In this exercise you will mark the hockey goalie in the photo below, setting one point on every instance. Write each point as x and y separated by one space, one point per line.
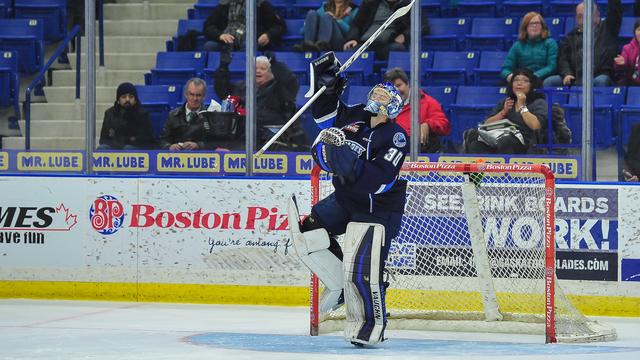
363 148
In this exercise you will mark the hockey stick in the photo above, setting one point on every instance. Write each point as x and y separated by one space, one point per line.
397 14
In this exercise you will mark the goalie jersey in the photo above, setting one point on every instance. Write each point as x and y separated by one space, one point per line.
381 151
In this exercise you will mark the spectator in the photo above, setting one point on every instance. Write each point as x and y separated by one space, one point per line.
433 122
276 92
185 128
627 64
126 125
605 48
631 169
524 107
371 15
325 29
534 50
225 27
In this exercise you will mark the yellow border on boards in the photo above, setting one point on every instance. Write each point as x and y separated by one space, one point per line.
239 294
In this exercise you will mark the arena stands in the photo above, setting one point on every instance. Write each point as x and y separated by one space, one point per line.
459 60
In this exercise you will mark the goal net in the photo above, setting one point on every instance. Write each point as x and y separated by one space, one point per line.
476 252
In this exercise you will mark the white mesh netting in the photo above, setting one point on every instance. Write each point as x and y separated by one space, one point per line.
472 258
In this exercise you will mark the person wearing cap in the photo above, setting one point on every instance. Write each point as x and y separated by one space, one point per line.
126 125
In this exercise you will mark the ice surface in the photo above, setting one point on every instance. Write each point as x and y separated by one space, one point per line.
33 329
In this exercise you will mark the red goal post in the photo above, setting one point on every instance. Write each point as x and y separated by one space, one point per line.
476 252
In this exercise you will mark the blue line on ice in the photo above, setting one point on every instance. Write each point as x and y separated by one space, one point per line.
394 346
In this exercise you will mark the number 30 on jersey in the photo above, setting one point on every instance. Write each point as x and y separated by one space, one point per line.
393 156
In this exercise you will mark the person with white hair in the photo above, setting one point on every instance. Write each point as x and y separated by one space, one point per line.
276 90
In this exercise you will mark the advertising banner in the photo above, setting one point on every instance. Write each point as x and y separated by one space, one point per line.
629 233
587 233
41 223
235 231
207 163
218 231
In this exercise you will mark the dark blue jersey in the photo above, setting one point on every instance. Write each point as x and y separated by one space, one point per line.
381 151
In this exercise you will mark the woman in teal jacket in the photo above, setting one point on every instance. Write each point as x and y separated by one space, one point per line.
534 50
326 27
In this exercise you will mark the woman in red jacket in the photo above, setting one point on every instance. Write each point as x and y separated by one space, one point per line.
627 64
433 122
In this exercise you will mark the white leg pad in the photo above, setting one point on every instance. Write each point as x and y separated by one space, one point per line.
366 318
312 248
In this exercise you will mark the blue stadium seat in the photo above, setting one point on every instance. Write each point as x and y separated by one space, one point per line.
446 95
25 37
357 94
4 8
626 31
476 8
556 27
517 8
569 24
629 113
446 33
562 7
361 71
431 8
473 105
297 62
451 67
184 26
9 81
491 34
299 8
292 36
175 68
203 8
402 59
237 68
557 95
159 100
52 14
488 71
607 102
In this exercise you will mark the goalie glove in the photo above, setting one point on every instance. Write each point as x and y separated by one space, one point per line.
325 71
333 155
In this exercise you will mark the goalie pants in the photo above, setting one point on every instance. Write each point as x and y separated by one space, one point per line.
365 326
334 218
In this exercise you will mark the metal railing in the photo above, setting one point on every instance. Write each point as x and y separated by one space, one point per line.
40 77
74 33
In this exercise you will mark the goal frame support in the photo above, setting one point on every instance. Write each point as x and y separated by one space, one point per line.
549 227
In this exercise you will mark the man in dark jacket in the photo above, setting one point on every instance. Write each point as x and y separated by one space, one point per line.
126 125
225 27
276 92
186 128
371 15
605 48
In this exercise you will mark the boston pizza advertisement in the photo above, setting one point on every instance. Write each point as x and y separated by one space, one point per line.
209 231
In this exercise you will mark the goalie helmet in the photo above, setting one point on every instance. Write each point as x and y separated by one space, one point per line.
384 99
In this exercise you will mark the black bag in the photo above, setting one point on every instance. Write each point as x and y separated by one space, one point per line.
491 133
560 132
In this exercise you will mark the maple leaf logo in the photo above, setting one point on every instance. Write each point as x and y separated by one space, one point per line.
70 219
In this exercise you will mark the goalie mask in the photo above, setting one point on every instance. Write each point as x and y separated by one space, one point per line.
384 99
